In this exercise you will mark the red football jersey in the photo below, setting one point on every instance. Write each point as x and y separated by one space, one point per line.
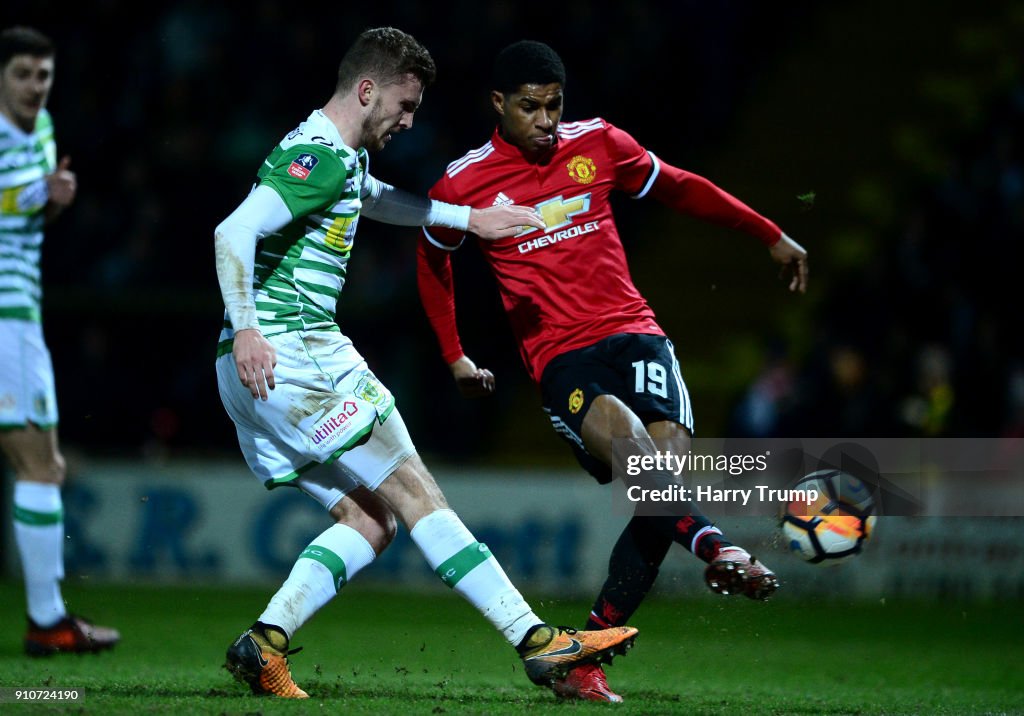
567 286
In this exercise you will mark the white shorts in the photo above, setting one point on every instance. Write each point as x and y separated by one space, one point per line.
27 393
327 427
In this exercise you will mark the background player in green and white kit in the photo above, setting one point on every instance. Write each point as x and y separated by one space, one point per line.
308 411
33 190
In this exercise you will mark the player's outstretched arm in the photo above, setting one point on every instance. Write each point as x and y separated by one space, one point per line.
497 222
793 259
471 381
383 202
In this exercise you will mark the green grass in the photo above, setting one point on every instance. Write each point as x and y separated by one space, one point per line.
373 652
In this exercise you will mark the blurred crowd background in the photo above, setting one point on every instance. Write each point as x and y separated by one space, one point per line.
885 137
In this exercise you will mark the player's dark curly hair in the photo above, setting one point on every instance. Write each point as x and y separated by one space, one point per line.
526 62
386 55
24 41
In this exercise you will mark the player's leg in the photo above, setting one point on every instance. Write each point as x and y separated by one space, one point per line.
572 383
461 562
637 555
28 439
585 393
594 396
364 527
468 567
651 402
38 518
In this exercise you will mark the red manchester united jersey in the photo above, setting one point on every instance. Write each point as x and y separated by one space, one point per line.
567 286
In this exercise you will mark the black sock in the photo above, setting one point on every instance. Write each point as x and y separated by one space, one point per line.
685 530
632 569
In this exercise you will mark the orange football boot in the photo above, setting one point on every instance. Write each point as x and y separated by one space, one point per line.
550 653
253 660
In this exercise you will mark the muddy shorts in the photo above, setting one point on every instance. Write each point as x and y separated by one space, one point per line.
328 426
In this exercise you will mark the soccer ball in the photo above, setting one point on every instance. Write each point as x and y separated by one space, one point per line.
836 525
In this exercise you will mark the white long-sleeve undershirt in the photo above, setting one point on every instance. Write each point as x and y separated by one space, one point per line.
383 202
262 213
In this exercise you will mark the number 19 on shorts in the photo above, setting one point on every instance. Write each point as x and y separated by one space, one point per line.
650 377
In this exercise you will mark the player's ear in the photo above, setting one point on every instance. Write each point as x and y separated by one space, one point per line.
498 102
365 91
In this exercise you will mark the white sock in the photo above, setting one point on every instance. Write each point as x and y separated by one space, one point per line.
469 568
39 532
323 568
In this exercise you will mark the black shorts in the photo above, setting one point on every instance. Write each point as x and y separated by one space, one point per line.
640 370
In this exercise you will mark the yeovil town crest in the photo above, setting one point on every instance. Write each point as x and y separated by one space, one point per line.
582 169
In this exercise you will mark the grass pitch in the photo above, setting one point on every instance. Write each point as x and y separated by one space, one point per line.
373 652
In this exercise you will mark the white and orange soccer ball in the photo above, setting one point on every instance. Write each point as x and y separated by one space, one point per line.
836 525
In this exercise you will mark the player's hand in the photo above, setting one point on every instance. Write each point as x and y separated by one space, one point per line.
255 359
497 222
471 381
62 185
793 259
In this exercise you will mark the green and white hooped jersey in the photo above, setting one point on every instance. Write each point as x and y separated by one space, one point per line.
300 270
25 160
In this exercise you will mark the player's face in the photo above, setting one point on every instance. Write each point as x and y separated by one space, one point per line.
24 86
529 116
391 111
